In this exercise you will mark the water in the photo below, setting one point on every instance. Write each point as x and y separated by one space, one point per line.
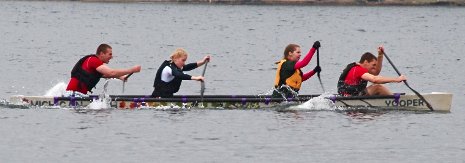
41 41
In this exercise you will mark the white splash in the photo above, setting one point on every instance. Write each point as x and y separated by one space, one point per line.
57 90
283 95
98 104
317 103
103 101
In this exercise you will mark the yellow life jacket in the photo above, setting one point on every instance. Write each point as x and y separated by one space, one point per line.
294 81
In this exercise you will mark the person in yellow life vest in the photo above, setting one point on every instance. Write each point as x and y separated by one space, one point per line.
289 77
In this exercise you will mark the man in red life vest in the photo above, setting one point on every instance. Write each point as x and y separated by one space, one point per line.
89 69
354 78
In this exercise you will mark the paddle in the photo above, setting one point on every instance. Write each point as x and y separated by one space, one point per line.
318 64
202 83
414 91
124 80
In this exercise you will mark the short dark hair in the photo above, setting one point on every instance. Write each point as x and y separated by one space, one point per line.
102 48
367 57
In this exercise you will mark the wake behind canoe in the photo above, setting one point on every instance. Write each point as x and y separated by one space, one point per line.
439 101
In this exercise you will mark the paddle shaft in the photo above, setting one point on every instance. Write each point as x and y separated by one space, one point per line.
126 78
318 60
204 68
405 82
318 64
202 83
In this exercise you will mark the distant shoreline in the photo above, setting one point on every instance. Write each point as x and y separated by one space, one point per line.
307 2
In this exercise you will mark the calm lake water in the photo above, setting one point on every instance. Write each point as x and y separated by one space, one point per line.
41 41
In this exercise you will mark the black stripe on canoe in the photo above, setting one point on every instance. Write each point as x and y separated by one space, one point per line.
265 100
207 96
252 96
244 98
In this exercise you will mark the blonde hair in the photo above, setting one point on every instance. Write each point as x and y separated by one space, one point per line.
179 52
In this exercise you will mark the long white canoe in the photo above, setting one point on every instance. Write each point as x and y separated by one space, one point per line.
439 101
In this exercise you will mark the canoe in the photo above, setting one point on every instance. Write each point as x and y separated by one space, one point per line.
399 101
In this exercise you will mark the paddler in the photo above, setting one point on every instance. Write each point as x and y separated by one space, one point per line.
171 73
89 69
355 77
289 76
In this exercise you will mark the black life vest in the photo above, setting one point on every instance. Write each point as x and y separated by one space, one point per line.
90 79
162 88
353 90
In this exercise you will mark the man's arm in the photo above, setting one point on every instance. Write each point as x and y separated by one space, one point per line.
116 73
379 65
382 80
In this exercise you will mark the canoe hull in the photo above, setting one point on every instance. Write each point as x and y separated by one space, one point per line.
439 101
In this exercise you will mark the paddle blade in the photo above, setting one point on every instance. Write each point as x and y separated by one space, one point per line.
321 83
318 64
202 88
202 83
